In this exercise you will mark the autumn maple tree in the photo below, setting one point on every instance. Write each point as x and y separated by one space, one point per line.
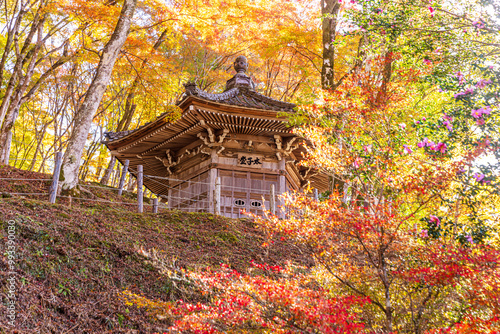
410 230
411 224
393 252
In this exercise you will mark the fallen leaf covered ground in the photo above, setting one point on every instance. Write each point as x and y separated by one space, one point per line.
72 261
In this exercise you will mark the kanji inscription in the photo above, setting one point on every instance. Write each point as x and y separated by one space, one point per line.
249 160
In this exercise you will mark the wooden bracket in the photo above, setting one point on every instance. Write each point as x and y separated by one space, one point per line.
203 138
211 135
278 141
223 135
206 150
289 143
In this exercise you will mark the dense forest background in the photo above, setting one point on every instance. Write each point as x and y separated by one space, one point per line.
48 64
51 51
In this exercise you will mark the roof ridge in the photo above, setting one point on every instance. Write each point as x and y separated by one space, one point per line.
250 97
194 90
271 100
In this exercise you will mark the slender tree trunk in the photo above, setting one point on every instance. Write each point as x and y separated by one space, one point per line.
386 78
116 176
39 144
131 183
387 294
12 29
108 171
41 169
86 111
97 173
6 153
14 103
84 170
329 10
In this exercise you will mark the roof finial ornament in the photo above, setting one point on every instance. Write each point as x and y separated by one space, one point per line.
241 64
240 80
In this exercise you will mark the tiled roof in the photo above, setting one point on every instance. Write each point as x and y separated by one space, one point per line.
117 135
241 96
240 91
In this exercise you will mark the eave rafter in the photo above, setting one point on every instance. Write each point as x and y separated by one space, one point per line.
151 134
189 130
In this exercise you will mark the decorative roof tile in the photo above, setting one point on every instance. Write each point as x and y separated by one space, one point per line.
111 136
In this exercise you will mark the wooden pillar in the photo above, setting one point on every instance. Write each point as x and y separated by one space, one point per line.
272 200
140 206
55 178
281 177
281 184
155 205
217 196
122 178
212 176
169 197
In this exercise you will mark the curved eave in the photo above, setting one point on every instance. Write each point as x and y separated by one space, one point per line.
145 129
200 102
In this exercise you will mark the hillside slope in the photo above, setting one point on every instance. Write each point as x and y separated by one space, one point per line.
73 261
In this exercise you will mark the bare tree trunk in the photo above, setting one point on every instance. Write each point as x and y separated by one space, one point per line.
108 171
131 183
116 177
41 169
329 10
386 78
39 144
90 153
13 104
6 153
86 111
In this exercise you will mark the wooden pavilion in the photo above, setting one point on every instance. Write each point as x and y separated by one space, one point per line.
238 135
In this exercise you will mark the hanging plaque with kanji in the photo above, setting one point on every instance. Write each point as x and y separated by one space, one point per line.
249 160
